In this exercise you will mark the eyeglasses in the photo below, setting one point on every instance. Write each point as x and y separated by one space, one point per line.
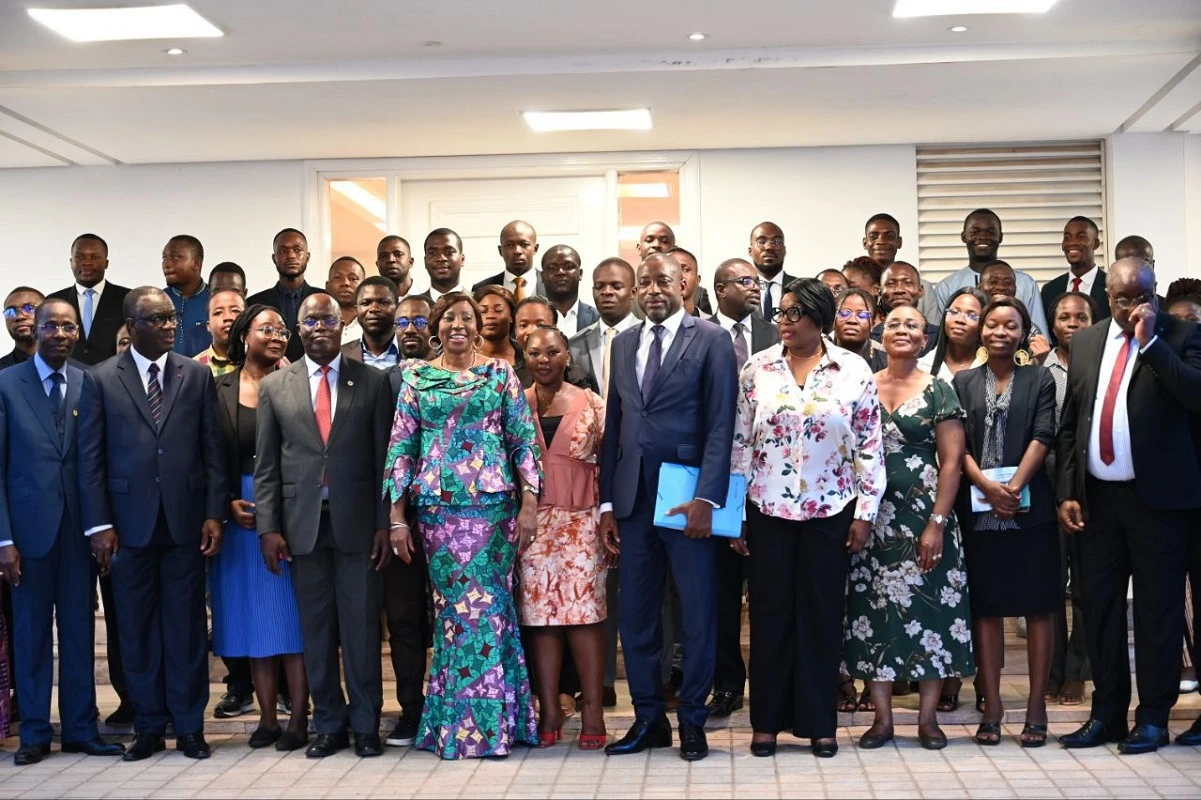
69 328
11 312
274 333
970 316
846 313
910 325
1124 303
159 320
792 314
420 323
324 322
746 282
763 241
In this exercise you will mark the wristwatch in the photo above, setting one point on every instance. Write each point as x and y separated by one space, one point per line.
938 519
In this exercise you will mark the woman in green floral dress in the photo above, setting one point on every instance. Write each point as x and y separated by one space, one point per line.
907 614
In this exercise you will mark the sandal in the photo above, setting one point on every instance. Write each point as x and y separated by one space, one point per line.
988 734
1072 693
593 741
948 701
846 694
981 703
865 701
1033 735
1053 693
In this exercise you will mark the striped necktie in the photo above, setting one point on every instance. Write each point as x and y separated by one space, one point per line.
154 393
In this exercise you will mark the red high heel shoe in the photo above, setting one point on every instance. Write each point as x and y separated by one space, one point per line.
550 738
593 741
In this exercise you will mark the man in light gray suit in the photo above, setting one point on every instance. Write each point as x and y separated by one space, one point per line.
321 439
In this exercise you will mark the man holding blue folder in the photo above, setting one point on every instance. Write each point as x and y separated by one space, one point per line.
671 399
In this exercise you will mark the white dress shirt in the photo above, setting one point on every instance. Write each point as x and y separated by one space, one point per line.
1086 280
728 324
672 325
81 290
509 281
352 331
436 295
777 289
1122 468
569 323
313 370
597 351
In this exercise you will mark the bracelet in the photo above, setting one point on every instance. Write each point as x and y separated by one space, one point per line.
530 489
396 525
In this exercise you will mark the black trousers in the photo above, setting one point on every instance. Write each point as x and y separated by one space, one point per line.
406 605
1124 540
730 673
797 574
1069 660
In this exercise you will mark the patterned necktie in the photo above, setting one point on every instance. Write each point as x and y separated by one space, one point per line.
740 348
1075 284
1111 400
154 393
519 288
89 311
607 352
323 408
767 303
654 360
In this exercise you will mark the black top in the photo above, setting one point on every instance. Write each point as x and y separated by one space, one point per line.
550 426
17 356
246 425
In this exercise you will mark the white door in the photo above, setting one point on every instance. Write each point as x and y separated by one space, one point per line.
572 211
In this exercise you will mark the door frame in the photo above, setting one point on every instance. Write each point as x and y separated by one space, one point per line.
316 212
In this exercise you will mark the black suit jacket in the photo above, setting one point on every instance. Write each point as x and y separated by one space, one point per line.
1057 286
1031 418
763 333
129 467
107 319
499 280
1163 396
228 386
270 297
14 358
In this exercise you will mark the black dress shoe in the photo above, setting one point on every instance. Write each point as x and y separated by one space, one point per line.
262 737
193 745
30 754
289 741
1191 737
824 749
641 736
693 744
122 717
1093 733
723 704
367 745
874 741
94 747
326 744
1143 739
609 697
763 749
144 746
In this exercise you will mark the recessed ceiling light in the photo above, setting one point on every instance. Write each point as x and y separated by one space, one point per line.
938 8
696 37
632 119
123 24
175 51
958 29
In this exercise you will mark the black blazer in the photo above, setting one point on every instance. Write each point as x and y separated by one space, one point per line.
499 280
1057 286
763 333
1031 418
1163 396
228 386
270 297
107 319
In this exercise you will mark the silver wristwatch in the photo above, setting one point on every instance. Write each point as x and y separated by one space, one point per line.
938 519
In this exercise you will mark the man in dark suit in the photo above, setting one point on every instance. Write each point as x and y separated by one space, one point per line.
375 305
1129 480
902 285
97 302
518 247
290 254
671 399
736 286
696 299
43 552
767 253
152 478
1081 240
562 271
322 435
443 253
658 237
19 311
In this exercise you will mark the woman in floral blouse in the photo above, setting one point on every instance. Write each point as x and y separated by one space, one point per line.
807 438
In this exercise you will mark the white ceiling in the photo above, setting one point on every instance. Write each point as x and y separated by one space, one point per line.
324 80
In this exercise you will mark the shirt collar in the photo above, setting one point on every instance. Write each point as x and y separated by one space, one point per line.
216 359
672 323
574 311
175 291
393 348
435 294
45 370
144 363
293 293
313 369
729 324
1052 360
530 277
778 280
1115 331
622 325
98 288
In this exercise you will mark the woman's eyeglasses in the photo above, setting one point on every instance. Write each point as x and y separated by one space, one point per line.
274 333
846 313
970 316
792 314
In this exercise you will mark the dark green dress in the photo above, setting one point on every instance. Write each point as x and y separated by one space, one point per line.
901 624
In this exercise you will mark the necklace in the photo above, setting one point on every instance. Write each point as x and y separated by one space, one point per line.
544 403
792 356
443 365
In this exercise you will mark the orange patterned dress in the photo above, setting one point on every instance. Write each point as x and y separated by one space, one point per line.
563 571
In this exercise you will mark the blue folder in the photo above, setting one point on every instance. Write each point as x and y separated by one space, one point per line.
677 485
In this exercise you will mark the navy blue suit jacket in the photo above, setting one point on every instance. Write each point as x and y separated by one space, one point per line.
128 467
39 479
688 417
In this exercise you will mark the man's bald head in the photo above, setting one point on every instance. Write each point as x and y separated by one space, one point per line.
1135 247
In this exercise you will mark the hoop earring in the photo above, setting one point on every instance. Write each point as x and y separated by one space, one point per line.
477 342
1021 358
435 343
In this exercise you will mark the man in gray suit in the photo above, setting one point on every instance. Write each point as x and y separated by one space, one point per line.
153 481
321 440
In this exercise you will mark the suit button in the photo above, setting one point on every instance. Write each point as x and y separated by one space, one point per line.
160 452
157 479
644 413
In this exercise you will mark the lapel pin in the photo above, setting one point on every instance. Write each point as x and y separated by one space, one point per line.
350 383
75 412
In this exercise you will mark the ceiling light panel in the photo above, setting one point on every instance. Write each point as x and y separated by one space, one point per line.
939 8
631 119
124 24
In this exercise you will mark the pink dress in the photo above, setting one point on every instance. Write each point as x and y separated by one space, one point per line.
563 571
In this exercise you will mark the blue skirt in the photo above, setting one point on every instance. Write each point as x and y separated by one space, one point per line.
254 611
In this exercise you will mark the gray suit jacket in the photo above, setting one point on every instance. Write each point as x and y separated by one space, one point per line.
291 462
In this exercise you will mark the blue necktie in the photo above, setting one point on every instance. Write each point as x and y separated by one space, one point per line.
55 397
654 360
89 310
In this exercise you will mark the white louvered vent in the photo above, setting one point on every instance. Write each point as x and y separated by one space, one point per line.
1034 188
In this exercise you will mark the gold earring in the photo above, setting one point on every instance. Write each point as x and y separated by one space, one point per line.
1021 358
982 353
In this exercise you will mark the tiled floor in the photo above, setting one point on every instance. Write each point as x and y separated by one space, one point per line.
903 770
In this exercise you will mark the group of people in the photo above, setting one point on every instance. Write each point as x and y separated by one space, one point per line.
483 469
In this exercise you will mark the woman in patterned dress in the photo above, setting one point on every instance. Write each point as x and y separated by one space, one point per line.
564 570
907 610
464 449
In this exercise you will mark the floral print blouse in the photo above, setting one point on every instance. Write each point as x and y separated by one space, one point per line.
458 437
808 451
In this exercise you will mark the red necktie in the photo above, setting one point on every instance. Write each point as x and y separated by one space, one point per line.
1111 400
323 406
1075 284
